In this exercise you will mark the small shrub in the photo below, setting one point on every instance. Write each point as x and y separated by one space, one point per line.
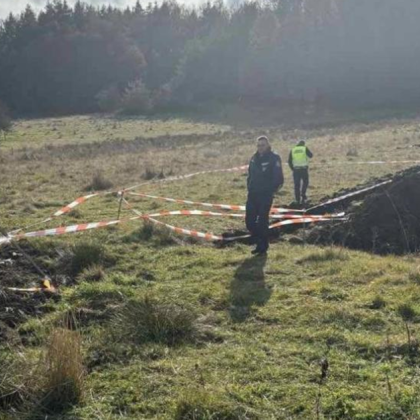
92 273
149 320
99 183
63 371
86 255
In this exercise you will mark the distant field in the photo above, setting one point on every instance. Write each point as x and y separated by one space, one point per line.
88 129
259 329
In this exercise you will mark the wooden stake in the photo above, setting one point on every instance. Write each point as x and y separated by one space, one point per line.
119 207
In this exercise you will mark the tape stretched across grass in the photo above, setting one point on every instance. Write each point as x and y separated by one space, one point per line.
289 215
80 200
152 217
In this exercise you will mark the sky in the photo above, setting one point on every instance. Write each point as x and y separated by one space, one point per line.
17 6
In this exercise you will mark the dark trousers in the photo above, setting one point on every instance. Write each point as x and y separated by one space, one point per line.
301 180
258 208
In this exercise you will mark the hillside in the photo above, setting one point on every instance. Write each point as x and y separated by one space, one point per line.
171 327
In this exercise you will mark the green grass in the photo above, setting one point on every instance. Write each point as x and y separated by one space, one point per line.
177 330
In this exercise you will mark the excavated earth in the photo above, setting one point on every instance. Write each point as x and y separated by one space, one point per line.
384 221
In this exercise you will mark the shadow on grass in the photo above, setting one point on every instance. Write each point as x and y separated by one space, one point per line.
248 288
42 413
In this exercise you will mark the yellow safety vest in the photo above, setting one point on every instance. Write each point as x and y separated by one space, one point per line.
299 157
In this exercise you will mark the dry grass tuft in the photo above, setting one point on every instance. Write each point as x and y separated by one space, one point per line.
64 372
93 273
99 183
14 381
149 320
86 255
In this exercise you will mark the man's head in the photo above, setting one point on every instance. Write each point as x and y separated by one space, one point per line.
263 145
301 143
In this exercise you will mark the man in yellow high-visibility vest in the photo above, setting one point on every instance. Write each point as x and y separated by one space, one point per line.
299 163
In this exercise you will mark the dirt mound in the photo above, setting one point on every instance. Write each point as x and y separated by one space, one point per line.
386 221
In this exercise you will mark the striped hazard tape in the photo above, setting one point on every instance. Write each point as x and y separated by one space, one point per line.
352 194
212 237
74 204
195 213
293 219
83 199
66 209
287 216
212 205
187 232
80 200
195 203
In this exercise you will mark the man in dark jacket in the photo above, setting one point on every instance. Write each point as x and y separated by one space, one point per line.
299 163
265 177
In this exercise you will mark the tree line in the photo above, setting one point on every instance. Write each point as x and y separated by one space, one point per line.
142 59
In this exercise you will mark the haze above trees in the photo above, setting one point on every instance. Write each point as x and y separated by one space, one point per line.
328 53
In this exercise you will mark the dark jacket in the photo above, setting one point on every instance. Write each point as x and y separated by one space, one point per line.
265 173
308 153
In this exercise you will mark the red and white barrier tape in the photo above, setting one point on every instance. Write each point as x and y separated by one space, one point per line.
292 219
74 204
279 213
212 205
187 232
66 209
195 213
66 229
352 194
212 237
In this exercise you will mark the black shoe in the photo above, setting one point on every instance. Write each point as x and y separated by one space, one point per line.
258 253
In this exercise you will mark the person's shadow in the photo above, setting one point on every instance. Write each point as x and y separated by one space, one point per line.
248 288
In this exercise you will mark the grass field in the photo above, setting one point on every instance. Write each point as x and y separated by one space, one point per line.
171 328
